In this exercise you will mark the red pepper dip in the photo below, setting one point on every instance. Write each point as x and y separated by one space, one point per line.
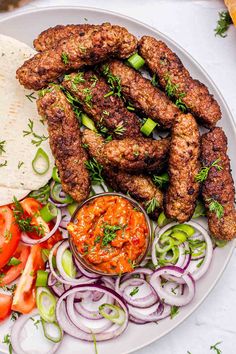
110 234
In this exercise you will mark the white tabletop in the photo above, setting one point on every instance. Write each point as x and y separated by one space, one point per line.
191 24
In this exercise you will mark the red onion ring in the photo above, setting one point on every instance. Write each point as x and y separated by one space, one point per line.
30 241
16 330
168 298
66 323
81 280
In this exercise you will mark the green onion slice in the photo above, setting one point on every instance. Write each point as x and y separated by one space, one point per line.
136 61
220 243
68 264
113 313
41 163
55 174
42 278
46 304
163 220
148 127
72 208
48 212
56 194
52 331
88 122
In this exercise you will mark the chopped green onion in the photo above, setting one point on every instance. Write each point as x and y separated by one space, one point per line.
48 212
136 61
113 313
72 208
45 255
41 167
42 278
148 127
14 261
88 122
220 243
46 304
56 194
49 330
55 174
163 220
68 264
189 230
180 236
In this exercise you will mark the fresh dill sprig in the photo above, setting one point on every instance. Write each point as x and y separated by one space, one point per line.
223 24
65 58
151 205
203 173
7 341
2 147
214 347
161 180
174 311
95 171
120 129
216 207
113 81
25 223
3 164
154 80
38 139
20 164
31 97
172 92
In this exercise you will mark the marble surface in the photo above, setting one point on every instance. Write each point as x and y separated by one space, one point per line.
191 24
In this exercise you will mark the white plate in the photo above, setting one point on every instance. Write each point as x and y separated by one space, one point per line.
25 27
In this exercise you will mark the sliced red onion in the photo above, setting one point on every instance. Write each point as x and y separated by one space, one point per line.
65 217
81 280
85 272
163 294
18 326
149 299
30 241
65 321
197 273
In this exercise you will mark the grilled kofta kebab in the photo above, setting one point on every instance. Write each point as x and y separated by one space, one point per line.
65 143
175 78
218 188
106 110
136 155
184 165
139 91
51 36
139 187
97 44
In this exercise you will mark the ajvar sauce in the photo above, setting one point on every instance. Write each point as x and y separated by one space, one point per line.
110 234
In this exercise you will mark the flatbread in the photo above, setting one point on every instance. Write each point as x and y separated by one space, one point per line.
18 178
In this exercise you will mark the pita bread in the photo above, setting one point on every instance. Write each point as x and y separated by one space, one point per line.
18 178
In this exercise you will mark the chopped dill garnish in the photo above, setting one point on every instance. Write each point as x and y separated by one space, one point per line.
37 138
203 173
65 58
216 207
2 147
95 171
223 24
31 97
151 205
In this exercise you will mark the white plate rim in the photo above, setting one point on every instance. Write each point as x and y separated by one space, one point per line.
21 13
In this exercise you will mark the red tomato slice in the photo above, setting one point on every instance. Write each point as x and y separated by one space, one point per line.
31 208
11 273
24 297
5 306
9 235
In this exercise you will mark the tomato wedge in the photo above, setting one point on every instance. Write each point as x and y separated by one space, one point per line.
31 208
9 235
24 297
11 273
5 306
